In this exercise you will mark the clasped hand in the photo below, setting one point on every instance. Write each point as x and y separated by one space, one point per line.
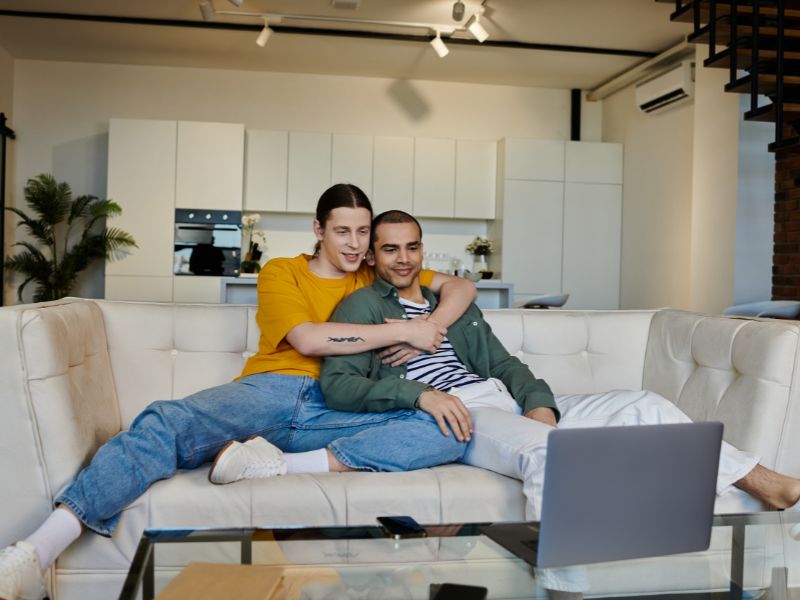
422 335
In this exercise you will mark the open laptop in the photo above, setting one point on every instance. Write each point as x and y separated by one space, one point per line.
614 493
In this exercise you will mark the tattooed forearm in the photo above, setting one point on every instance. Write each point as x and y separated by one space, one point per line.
346 339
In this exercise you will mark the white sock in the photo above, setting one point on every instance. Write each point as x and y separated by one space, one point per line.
57 532
314 461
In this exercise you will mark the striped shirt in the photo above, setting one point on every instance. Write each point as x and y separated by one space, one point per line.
442 370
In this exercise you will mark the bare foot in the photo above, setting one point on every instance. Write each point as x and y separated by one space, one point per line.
776 490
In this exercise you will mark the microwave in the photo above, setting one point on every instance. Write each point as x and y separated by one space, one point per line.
207 242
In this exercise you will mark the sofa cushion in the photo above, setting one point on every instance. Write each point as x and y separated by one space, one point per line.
168 351
446 494
577 352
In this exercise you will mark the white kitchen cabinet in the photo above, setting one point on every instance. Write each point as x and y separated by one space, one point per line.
393 174
351 161
266 170
592 234
530 230
139 288
141 179
593 162
476 172
193 289
210 165
434 177
533 160
309 170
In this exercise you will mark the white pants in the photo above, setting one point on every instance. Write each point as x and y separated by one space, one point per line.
505 442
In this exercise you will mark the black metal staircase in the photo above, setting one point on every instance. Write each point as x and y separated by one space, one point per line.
758 41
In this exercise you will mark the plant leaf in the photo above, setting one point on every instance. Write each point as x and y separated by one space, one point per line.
48 199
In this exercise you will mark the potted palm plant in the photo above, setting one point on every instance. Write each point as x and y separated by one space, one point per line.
67 235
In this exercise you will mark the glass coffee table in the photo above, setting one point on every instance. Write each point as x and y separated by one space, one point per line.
749 555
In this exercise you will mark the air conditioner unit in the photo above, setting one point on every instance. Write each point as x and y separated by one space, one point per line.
667 89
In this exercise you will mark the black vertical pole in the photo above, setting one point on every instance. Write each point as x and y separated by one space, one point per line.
5 132
575 116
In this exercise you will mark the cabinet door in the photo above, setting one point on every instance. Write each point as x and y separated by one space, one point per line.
141 179
476 169
204 290
592 230
139 289
593 162
266 170
393 174
434 177
351 161
535 160
531 245
210 165
309 170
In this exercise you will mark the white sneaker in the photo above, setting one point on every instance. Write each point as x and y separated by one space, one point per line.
21 576
254 459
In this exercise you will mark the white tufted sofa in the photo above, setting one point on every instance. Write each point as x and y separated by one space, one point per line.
75 372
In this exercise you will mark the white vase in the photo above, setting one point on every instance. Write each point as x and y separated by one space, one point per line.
479 265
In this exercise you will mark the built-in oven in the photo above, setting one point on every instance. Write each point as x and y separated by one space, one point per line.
207 242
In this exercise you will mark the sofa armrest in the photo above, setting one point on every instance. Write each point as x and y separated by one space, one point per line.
740 371
58 404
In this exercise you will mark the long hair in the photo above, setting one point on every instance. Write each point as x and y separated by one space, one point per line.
339 195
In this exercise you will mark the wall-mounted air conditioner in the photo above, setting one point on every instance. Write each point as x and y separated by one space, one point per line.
667 89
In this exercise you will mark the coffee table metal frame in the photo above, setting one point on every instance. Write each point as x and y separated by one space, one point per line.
142 569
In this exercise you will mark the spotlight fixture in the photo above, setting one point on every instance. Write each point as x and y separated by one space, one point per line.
262 38
458 10
207 10
236 3
439 46
476 29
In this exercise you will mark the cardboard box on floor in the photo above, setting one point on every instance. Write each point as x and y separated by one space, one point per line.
207 581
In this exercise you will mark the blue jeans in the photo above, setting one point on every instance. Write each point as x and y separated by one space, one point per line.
287 410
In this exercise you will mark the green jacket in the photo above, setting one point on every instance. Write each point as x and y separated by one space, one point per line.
362 383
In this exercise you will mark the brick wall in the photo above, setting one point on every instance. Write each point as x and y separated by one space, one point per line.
786 249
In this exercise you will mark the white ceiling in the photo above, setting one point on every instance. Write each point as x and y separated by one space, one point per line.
639 25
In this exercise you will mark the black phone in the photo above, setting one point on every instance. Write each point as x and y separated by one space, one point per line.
455 591
402 526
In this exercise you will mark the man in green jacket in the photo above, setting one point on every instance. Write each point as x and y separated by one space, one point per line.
474 386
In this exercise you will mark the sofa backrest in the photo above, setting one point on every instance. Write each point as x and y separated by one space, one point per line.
577 351
167 351
740 371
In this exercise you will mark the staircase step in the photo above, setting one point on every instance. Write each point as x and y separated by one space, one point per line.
788 146
722 59
685 14
723 35
766 84
766 113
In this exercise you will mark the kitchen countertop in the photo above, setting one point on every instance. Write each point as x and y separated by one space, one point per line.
492 293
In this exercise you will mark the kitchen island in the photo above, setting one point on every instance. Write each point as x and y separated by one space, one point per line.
242 290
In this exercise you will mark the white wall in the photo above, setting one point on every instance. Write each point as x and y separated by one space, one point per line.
6 106
714 183
656 205
62 113
755 210
698 199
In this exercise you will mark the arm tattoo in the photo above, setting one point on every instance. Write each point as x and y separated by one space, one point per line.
346 339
